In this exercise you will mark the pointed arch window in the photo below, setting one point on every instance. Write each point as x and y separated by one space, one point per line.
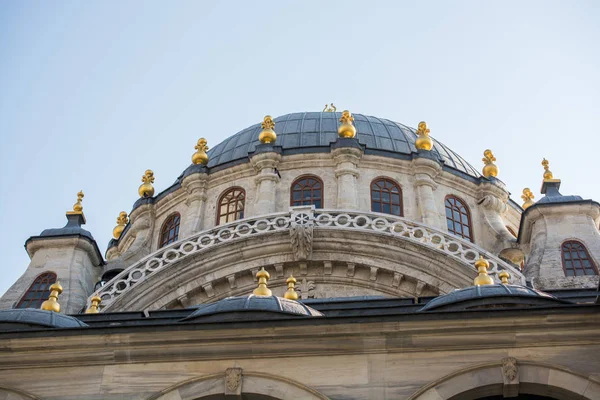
231 205
576 260
307 190
169 233
386 197
38 292
458 218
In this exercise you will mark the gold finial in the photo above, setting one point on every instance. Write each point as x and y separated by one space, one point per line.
504 277
527 198
52 303
423 141
268 134
78 207
483 278
94 308
122 220
200 156
262 289
490 169
291 293
547 173
346 129
330 108
146 189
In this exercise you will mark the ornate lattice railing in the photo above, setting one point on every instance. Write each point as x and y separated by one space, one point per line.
299 219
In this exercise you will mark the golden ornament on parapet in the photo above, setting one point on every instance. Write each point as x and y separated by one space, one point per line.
122 221
490 169
346 129
268 134
423 141
200 156
504 277
52 303
527 198
547 173
95 306
78 207
291 293
262 289
483 278
146 189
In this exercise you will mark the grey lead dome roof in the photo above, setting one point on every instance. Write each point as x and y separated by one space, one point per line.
315 131
28 318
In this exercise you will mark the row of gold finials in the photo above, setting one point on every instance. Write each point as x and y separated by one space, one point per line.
345 130
262 290
263 276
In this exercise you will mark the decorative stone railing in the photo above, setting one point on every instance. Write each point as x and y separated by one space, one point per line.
300 222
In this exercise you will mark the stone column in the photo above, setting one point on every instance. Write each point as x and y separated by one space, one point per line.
346 154
265 160
426 169
195 186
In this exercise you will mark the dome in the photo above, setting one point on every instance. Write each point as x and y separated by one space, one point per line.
485 296
31 318
253 306
313 132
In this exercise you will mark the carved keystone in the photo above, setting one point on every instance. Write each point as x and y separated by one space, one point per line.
233 383
510 376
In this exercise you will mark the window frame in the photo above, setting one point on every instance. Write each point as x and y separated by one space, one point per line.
471 237
222 196
400 193
45 293
587 253
307 176
161 238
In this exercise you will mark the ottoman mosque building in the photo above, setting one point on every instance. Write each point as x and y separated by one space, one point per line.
316 255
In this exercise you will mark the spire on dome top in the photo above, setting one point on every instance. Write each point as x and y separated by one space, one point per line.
483 278
330 108
52 303
423 141
122 221
490 169
291 293
268 134
77 209
262 289
549 184
346 129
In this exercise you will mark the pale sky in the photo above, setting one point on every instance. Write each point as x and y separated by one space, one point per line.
94 93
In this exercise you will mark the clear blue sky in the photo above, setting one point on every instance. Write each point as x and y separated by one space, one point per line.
94 93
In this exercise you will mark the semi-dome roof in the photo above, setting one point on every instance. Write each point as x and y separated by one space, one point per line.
313 132
251 304
498 295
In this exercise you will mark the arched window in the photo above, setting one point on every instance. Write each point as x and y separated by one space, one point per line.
231 205
458 218
307 190
38 292
576 259
386 197
169 233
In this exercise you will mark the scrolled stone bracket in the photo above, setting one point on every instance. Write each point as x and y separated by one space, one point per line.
301 231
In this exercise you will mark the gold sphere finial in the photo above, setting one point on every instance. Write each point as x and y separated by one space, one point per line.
262 289
346 129
78 207
423 141
95 306
483 278
122 220
504 277
52 303
146 189
291 293
200 156
490 169
268 134
527 198
547 173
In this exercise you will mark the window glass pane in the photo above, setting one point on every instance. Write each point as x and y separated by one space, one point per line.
317 193
386 208
376 207
376 195
385 197
395 198
465 219
448 213
396 210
